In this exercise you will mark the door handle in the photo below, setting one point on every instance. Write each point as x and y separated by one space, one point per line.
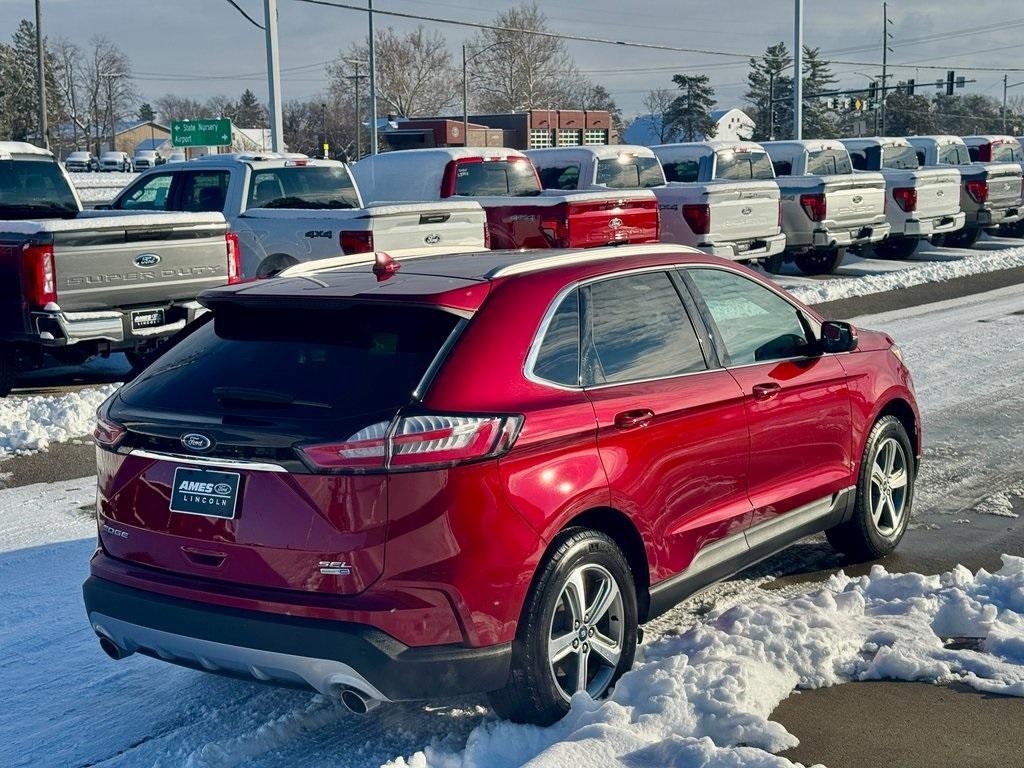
636 418
766 391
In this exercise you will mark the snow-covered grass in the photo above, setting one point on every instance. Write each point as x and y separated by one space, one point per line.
100 187
31 422
705 697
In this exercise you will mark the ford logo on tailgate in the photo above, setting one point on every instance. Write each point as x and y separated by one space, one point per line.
746 211
196 442
615 223
857 199
147 260
432 239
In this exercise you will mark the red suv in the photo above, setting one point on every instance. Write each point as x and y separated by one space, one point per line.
482 472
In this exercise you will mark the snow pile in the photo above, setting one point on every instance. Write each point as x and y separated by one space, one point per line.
704 698
100 187
32 422
921 272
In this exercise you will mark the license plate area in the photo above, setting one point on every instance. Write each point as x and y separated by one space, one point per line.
147 318
205 492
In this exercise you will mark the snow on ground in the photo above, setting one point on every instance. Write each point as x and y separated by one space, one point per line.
32 422
94 188
858 276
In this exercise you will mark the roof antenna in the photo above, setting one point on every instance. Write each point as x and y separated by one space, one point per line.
384 266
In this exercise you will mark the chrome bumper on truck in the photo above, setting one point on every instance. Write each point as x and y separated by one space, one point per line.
57 328
939 226
328 656
993 217
750 249
873 233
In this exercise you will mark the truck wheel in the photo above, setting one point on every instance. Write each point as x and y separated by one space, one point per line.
578 631
896 248
963 238
774 263
8 369
820 262
885 494
271 265
1012 230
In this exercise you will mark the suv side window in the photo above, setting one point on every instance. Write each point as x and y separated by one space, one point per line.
636 328
203 192
558 358
754 324
150 194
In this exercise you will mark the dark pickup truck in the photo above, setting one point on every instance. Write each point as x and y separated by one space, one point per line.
75 284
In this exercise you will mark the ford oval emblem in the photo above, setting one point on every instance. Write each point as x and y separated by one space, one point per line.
939 193
857 199
222 488
615 223
147 260
196 442
746 211
432 239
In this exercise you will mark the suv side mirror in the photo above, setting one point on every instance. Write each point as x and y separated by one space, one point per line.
837 336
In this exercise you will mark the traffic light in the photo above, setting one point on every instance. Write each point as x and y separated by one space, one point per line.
872 90
910 87
950 80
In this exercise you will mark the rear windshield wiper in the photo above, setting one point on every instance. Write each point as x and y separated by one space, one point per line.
249 395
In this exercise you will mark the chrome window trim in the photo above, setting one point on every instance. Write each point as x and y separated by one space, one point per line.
208 461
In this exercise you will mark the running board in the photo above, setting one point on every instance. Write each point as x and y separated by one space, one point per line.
727 557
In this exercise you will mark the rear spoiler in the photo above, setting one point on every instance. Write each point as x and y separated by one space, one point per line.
368 258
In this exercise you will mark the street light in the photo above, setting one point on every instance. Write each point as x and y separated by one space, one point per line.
465 86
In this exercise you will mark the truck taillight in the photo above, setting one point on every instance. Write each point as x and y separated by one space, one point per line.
356 241
417 442
698 217
977 189
487 236
40 275
906 198
814 206
234 258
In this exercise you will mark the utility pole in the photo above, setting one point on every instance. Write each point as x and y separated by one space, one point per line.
44 131
798 71
1005 89
885 63
273 76
373 82
359 117
771 105
465 100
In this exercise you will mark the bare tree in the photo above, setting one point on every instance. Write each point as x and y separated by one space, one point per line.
658 102
414 72
170 107
109 92
68 72
513 70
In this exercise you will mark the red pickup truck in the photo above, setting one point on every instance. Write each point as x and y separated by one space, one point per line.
520 214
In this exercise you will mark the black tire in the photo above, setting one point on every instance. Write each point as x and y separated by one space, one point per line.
898 248
963 238
867 535
774 263
8 370
271 265
938 240
822 261
534 692
1012 230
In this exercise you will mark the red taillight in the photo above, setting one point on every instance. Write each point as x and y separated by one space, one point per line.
977 189
487 236
814 206
107 434
234 258
418 442
906 198
698 217
40 276
356 241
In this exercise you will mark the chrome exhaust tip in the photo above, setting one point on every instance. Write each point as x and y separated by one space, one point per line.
357 702
112 649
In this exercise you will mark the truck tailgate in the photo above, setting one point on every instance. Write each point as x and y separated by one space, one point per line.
854 200
1004 184
938 192
742 210
125 261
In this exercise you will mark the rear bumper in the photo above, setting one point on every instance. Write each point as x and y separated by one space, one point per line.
993 217
287 650
61 329
842 238
765 246
939 226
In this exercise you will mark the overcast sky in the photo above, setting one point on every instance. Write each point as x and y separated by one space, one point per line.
200 48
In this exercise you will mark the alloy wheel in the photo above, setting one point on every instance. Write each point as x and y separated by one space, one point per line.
889 482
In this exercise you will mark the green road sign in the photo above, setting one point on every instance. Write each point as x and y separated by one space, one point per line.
201 133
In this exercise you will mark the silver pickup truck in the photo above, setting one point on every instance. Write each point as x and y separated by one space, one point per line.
999 149
990 192
77 284
922 202
826 207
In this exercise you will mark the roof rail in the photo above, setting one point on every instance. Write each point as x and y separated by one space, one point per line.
368 258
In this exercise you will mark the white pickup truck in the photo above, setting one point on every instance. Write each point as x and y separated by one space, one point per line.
287 210
922 203
720 197
826 207
990 192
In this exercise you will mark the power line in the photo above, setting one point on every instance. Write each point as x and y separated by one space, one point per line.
250 19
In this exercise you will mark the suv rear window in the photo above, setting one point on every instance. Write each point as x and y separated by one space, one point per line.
743 165
309 364
829 162
31 189
310 186
630 173
496 177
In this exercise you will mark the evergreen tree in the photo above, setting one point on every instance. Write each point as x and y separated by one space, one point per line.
19 104
690 113
907 115
250 113
146 113
819 122
772 70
